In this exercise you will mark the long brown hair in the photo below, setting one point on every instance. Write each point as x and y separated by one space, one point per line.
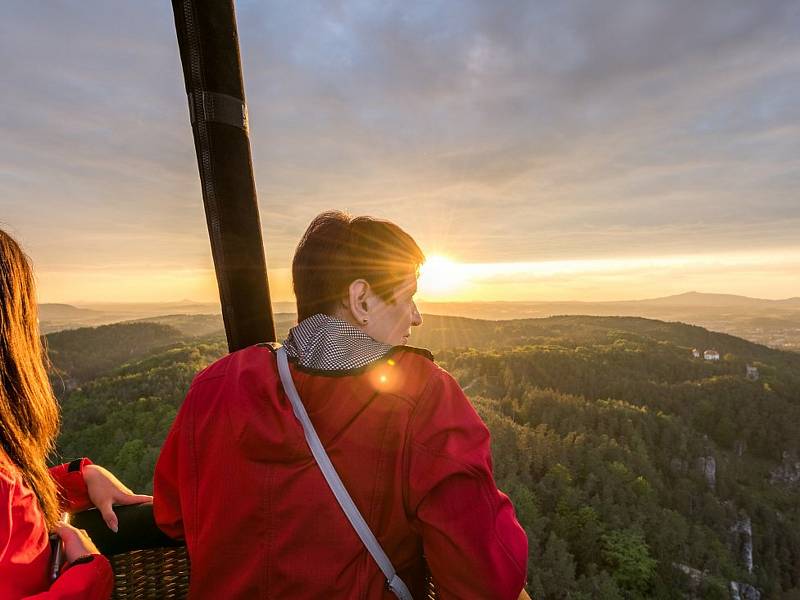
29 418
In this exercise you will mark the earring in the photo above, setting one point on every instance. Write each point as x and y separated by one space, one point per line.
364 321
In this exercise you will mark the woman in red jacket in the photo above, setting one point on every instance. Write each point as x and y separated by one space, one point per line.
237 481
32 498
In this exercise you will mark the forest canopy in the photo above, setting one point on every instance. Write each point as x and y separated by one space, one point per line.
637 469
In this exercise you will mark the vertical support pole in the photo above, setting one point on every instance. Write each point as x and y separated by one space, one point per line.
209 49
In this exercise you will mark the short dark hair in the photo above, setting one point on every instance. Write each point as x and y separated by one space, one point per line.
337 249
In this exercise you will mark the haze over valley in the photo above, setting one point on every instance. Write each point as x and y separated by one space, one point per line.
774 323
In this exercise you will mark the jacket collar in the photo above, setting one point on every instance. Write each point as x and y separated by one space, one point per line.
325 343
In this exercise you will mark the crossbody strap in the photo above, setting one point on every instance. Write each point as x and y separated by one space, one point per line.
352 513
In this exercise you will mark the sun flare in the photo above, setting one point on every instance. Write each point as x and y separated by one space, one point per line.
441 276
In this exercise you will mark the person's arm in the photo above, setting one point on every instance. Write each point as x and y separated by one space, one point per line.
71 485
87 574
82 485
472 541
88 578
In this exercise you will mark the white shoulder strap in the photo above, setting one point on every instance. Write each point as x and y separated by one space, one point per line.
337 487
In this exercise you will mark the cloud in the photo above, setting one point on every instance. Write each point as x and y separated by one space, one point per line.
512 130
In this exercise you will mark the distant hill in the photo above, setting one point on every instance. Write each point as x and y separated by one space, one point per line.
775 323
189 325
637 470
695 301
210 325
698 299
55 317
438 332
78 355
54 312
737 315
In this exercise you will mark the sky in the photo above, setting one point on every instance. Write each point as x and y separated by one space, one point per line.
537 150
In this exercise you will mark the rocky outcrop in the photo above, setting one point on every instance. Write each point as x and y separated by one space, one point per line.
708 467
739 591
788 472
743 528
744 591
695 579
739 447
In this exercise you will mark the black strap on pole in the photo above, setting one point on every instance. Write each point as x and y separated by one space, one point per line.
209 47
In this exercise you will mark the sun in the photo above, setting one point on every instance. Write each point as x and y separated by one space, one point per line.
441 277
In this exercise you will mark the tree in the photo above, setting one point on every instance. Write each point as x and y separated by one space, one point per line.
626 552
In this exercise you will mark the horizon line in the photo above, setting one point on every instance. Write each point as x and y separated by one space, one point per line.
189 301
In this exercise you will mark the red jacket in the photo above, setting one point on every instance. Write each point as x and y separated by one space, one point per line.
237 481
24 545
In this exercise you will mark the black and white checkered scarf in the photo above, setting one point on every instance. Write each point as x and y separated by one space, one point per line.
328 343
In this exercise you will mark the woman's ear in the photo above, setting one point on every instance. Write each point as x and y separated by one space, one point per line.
358 306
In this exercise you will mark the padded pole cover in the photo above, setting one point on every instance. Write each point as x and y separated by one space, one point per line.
209 48
137 529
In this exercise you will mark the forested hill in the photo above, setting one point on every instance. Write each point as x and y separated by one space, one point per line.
638 470
81 354
438 332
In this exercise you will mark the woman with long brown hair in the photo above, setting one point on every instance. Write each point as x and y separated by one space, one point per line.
32 497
